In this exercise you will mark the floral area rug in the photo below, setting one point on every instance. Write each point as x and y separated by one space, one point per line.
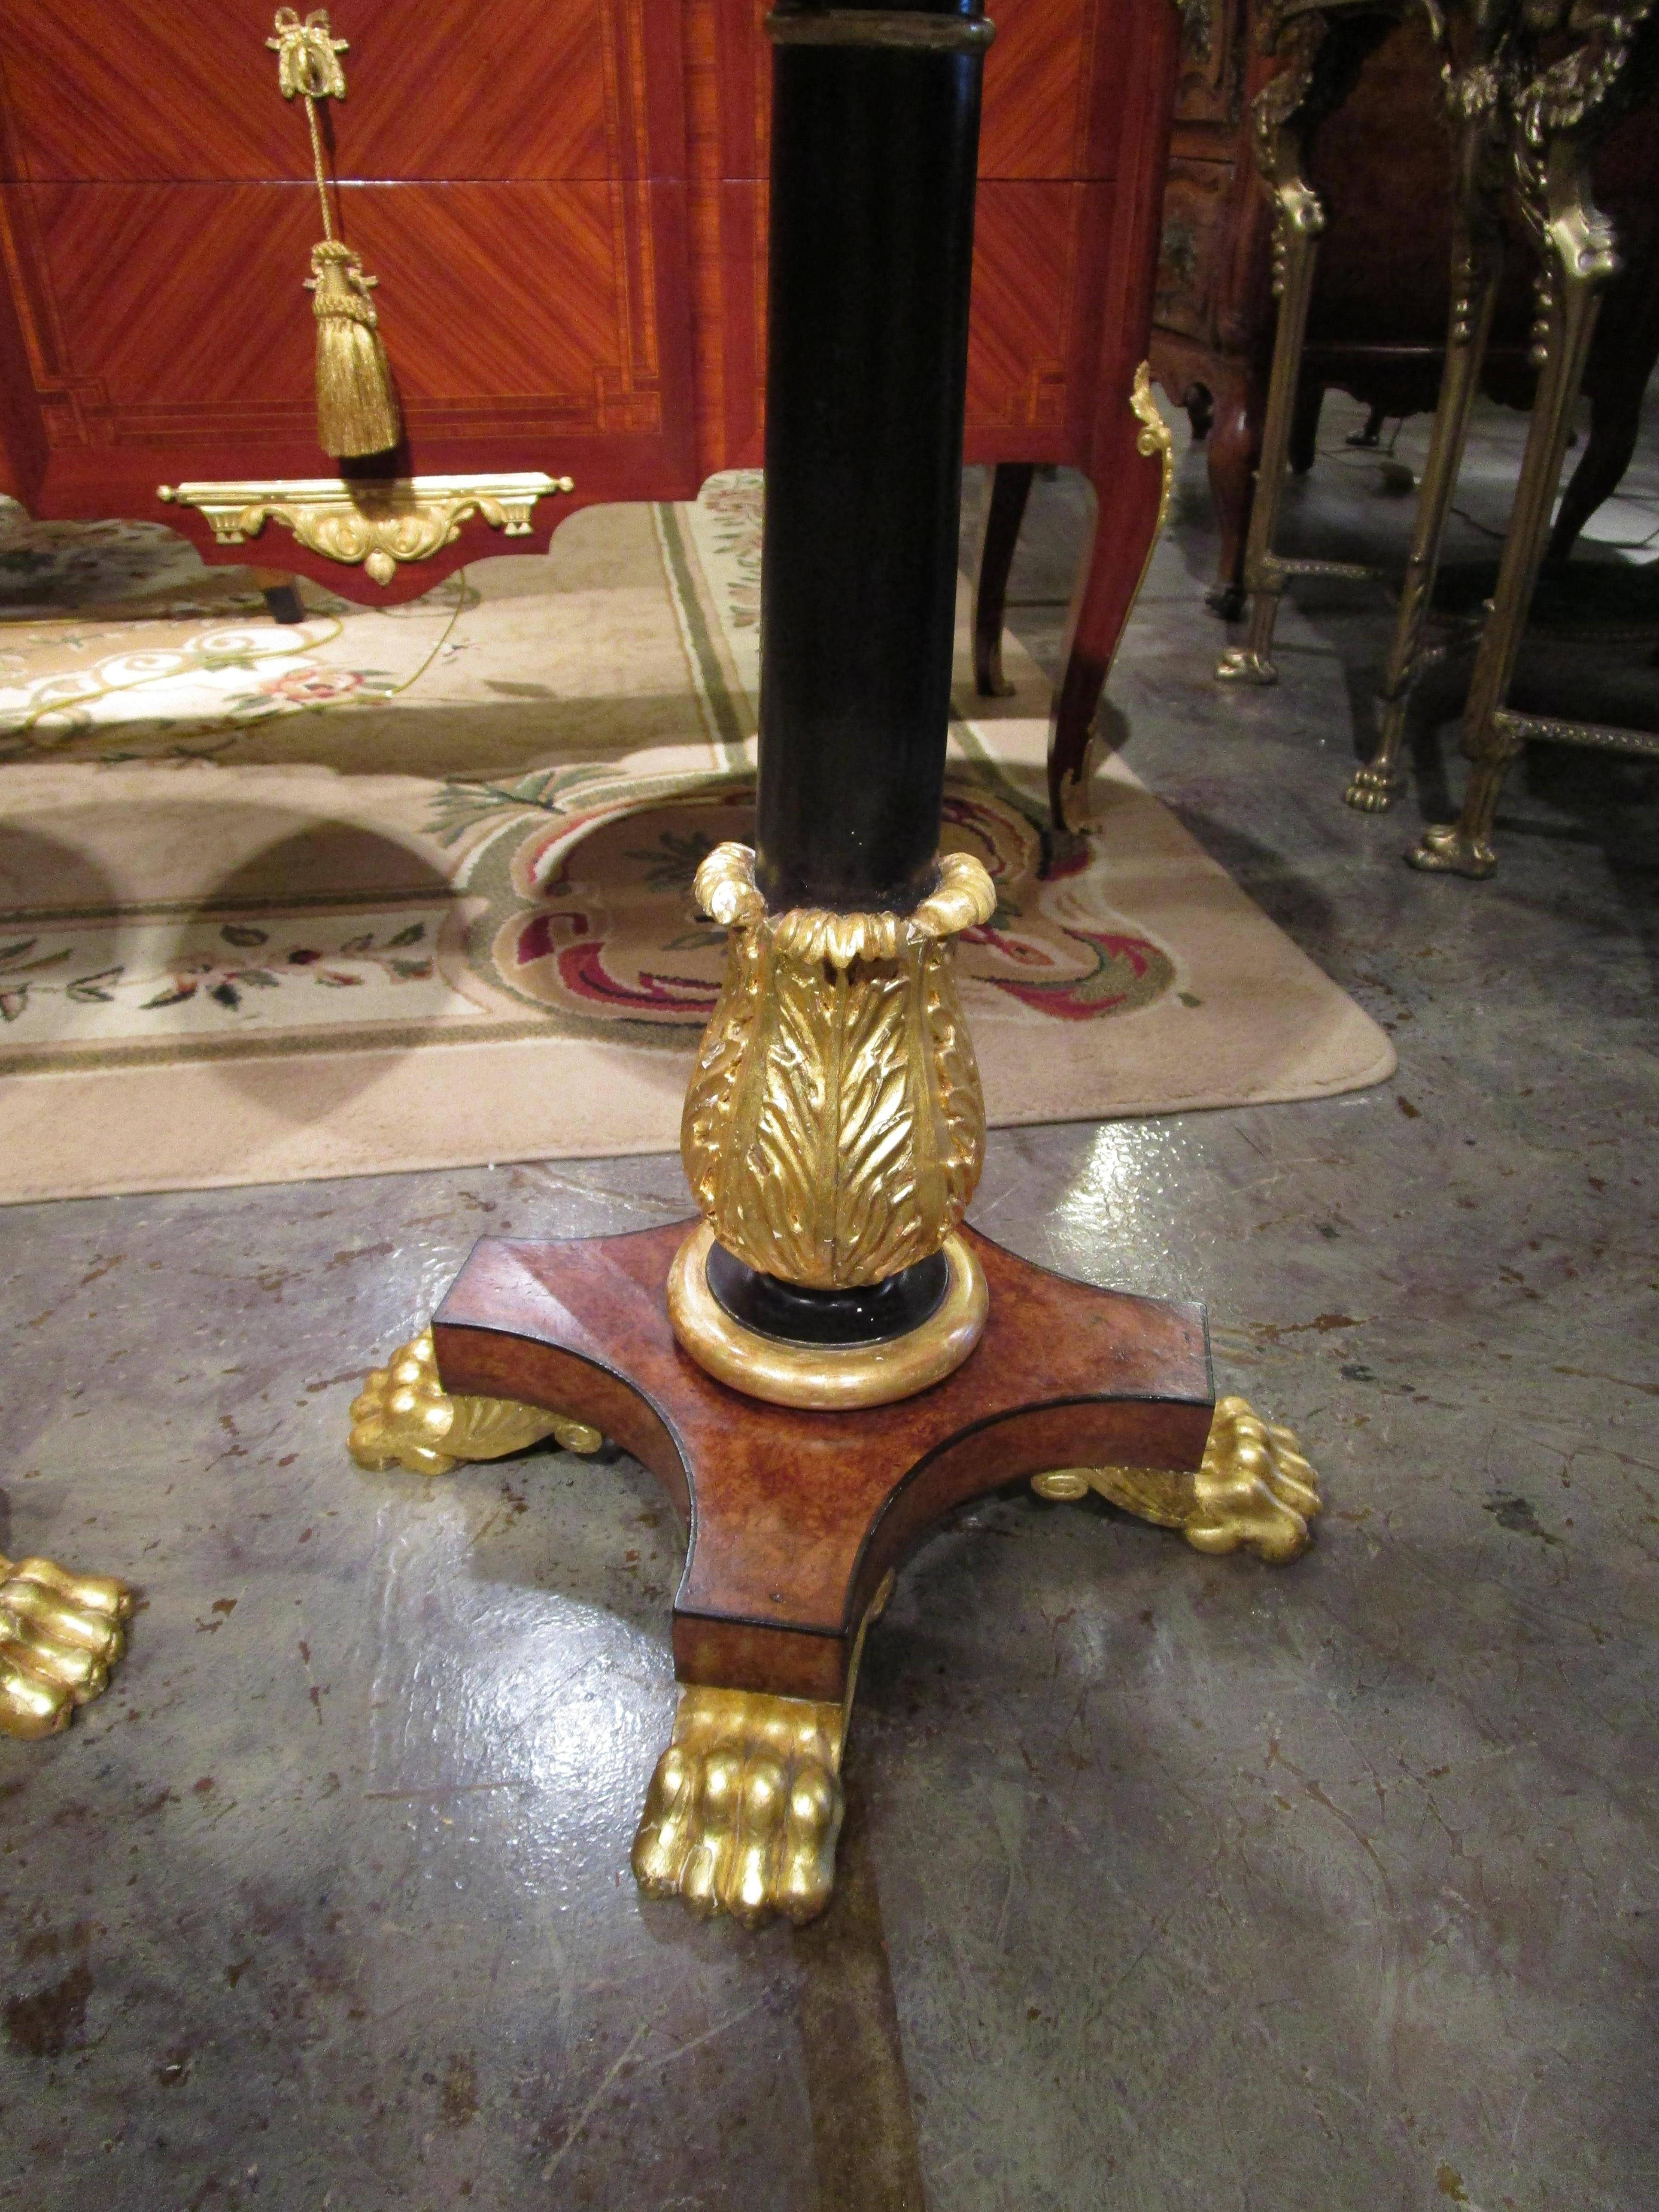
412 887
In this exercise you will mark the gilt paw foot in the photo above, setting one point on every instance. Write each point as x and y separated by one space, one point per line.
1253 1489
1445 849
403 1416
1239 665
1373 790
745 1808
59 1636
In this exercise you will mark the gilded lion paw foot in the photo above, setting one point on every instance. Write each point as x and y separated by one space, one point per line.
1445 849
745 1808
1239 665
403 1416
1373 790
59 1636
1253 1489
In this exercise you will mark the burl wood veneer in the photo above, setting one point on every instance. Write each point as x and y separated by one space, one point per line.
793 1517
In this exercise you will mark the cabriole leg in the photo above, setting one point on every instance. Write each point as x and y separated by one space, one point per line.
1011 488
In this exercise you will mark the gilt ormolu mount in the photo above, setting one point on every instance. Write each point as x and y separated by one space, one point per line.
829 1360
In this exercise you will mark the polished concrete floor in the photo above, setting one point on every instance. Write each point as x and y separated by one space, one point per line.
1167 1883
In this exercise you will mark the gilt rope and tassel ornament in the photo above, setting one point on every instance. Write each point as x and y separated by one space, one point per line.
356 406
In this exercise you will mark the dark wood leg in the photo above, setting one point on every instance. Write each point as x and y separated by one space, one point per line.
1235 447
1626 347
798 1520
282 595
1199 405
1011 487
1305 427
1615 419
1131 489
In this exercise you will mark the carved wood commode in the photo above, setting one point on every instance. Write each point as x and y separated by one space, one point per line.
566 211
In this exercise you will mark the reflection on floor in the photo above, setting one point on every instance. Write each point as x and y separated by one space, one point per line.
1167 1882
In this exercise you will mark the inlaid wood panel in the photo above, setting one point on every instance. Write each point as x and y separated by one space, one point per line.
1027 242
741 323
1053 127
1043 116
564 202
703 145
1040 251
1210 89
1192 249
178 311
470 90
1051 107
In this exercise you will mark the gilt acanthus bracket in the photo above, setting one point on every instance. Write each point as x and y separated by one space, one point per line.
1561 109
375 526
1154 441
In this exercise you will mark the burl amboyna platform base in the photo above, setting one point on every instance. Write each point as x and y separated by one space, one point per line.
798 1520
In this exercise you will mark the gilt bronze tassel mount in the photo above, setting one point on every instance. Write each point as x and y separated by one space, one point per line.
357 411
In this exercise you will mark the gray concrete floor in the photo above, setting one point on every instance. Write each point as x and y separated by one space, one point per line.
1167 1882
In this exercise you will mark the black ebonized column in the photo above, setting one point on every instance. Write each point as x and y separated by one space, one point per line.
875 135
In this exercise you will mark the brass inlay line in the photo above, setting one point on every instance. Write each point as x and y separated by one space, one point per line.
859 26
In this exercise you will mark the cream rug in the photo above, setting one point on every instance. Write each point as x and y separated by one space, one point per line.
411 888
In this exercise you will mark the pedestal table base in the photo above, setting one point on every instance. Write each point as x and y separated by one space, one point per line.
798 1519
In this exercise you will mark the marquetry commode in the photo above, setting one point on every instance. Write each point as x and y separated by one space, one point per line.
566 211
